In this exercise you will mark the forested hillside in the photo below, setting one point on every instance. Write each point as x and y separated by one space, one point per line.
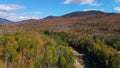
29 49
103 52
84 23
46 43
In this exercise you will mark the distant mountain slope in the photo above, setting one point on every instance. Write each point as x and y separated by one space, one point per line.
49 17
84 13
96 22
3 21
81 14
92 13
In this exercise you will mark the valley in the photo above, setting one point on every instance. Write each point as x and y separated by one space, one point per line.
83 39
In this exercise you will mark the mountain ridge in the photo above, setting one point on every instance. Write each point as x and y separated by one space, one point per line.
91 21
83 13
4 21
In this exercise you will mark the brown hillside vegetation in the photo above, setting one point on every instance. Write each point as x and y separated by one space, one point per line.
92 33
88 24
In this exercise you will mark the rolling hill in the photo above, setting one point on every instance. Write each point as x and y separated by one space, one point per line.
93 34
89 22
3 21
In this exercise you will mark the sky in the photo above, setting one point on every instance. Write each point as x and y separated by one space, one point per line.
18 10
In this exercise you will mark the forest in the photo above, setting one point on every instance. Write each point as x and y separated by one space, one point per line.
25 48
30 49
51 42
101 51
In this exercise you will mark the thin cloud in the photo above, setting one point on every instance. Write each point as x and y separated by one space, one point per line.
95 4
32 13
83 2
18 17
10 7
94 9
4 13
117 9
117 0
